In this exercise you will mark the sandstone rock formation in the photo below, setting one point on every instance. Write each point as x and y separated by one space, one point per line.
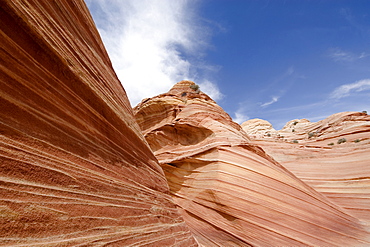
75 169
331 155
258 128
293 124
229 191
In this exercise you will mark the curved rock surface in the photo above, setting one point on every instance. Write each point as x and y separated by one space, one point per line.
75 169
331 155
258 128
230 192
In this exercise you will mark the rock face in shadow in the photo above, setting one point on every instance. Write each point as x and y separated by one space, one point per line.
75 169
331 155
229 191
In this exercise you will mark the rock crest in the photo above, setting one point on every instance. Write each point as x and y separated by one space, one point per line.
258 127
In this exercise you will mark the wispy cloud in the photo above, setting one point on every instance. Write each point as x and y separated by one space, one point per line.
348 89
355 21
273 100
285 78
363 55
280 84
240 117
211 89
289 71
152 44
338 54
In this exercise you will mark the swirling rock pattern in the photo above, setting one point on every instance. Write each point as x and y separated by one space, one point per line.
74 167
230 192
331 155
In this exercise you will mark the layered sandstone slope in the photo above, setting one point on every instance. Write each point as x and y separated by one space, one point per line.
331 155
229 191
75 169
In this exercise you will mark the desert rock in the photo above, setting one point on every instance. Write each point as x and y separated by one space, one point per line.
331 155
258 127
230 192
75 169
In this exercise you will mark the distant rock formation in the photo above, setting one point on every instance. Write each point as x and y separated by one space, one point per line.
258 128
291 125
229 191
75 169
331 155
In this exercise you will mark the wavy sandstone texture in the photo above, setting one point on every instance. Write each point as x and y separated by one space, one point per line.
258 127
229 191
339 171
75 169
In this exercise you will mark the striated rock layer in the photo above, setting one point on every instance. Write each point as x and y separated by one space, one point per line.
258 128
75 169
230 192
331 155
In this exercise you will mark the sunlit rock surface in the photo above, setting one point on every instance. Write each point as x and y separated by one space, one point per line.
228 190
75 169
331 155
258 128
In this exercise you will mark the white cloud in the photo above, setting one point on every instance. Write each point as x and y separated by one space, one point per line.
273 100
240 117
347 89
147 40
211 89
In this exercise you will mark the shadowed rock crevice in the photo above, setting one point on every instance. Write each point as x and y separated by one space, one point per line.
176 134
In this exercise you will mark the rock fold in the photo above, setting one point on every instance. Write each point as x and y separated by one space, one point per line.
74 167
229 191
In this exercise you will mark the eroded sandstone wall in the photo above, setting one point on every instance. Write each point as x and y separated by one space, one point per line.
74 167
230 192
331 155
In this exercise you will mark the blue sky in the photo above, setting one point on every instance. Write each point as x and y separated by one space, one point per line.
276 60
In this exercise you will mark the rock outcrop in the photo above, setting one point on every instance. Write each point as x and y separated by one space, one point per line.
75 169
331 155
258 128
229 191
